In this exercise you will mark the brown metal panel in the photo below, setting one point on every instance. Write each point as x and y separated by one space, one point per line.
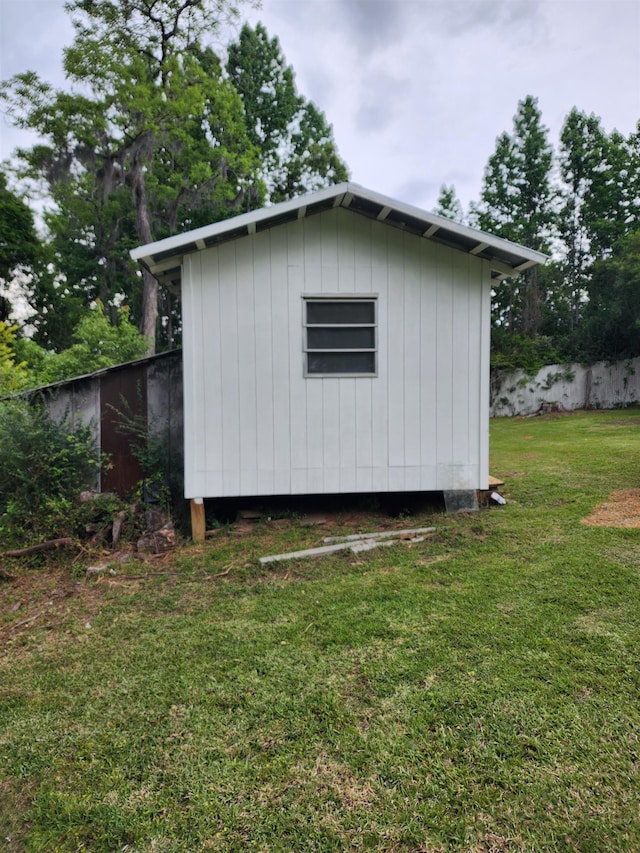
123 414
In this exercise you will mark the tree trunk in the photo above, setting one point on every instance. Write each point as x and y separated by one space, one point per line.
149 317
532 313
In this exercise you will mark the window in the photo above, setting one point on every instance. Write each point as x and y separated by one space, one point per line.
340 336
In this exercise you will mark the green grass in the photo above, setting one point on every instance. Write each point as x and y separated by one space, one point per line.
478 691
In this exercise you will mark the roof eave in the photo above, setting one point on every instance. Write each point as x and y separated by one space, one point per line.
164 257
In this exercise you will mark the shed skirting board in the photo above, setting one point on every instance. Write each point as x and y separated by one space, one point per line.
218 484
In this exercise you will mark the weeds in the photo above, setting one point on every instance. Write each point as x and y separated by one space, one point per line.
44 466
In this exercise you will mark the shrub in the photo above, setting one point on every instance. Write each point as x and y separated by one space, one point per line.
98 343
44 466
13 373
513 351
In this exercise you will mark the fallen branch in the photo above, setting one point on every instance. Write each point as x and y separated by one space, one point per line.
172 572
25 621
51 545
223 574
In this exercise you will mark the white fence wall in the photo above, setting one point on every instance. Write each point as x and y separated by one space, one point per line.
566 387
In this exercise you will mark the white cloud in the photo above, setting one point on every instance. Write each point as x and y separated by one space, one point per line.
417 90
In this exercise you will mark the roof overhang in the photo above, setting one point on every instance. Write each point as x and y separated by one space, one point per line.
164 257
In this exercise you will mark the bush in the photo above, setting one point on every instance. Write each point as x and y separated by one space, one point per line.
13 373
98 343
512 351
44 466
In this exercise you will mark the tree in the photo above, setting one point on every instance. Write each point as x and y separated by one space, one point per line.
581 146
149 129
19 244
611 325
599 205
448 204
517 202
611 208
633 181
13 373
297 148
96 343
150 138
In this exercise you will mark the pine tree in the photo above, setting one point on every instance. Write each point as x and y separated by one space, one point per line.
448 204
517 203
296 143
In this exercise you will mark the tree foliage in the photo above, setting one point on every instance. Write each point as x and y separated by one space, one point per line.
19 244
13 372
96 343
517 203
298 153
581 207
449 204
517 195
148 134
611 323
153 135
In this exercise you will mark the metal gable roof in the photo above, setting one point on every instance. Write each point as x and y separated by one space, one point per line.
164 257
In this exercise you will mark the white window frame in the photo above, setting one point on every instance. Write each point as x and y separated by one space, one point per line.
336 298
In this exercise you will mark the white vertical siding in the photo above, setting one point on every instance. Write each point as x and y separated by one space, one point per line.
232 350
247 362
443 380
297 413
380 240
281 362
413 384
394 310
460 360
428 358
483 390
256 425
262 290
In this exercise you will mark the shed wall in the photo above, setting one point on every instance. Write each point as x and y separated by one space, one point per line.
255 425
151 387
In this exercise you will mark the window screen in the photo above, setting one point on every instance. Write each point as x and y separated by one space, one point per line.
340 336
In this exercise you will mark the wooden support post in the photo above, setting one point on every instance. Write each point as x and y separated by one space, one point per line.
198 526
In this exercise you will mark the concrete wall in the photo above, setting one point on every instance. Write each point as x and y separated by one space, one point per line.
567 387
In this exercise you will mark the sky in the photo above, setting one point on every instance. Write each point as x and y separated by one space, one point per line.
417 91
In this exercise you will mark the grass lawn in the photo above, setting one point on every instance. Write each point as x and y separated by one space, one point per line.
478 691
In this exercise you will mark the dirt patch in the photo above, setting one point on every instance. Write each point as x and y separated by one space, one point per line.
51 594
622 509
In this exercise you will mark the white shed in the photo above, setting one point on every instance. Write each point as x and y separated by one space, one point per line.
335 343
